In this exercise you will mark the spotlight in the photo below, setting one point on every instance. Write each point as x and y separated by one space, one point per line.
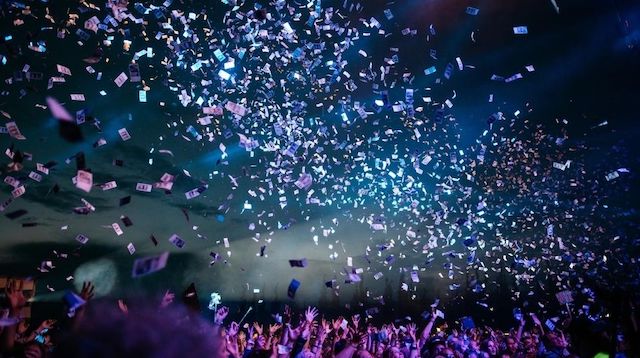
102 273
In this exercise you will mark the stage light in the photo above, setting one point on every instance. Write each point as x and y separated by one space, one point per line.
102 273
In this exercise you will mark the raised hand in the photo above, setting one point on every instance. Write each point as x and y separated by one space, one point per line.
87 290
321 333
231 345
384 329
306 331
221 314
325 326
233 329
167 299
294 332
411 330
123 307
258 328
562 340
535 319
432 315
394 329
47 324
15 296
356 321
310 314
359 338
287 314
23 326
273 328
337 322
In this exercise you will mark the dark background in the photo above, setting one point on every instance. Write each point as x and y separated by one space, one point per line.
586 61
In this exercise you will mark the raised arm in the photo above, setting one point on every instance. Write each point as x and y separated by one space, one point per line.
231 341
323 330
537 322
167 299
520 329
411 330
426 332
286 330
273 328
86 294
16 302
218 320
303 332
352 348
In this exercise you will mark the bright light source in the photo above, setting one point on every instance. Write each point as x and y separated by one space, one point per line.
102 273
215 301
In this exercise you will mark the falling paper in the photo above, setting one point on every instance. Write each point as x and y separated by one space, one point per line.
14 131
176 241
124 134
82 239
520 30
57 110
144 187
84 180
148 265
121 79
